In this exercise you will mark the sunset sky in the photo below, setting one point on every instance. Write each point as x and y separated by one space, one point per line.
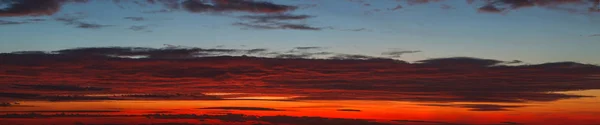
299 62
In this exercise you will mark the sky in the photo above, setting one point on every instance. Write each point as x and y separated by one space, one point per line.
299 62
537 33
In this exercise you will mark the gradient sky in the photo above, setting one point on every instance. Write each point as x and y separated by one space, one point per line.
448 28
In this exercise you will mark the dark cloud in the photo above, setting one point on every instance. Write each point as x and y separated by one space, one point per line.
498 6
277 17
271 26
32 7
446 7
5 22
235 6
36 20
43 87
76 21
5 104
243 108
166 119
152 52
397 54
281 119
140 28
135 18
85 25
275 21
421 122
308 48
460 62
306 74
300 55
349 110
479 107
67 111
490 9
398 7
158 11
352 57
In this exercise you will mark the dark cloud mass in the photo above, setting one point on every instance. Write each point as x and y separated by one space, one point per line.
27 75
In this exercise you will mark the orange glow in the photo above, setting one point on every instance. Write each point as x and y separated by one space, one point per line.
570 111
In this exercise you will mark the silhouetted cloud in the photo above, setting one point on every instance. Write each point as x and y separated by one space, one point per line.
243 108
281 119
349 110
479 107
460 62
419 122
234 5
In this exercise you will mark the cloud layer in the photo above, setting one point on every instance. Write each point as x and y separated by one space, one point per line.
181 74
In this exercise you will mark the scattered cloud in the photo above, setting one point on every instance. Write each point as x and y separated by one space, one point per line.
271 26
479 107
135 18
498 6
76 21
143 28
446 7
275 21
5 22
398 54
398 7
276 17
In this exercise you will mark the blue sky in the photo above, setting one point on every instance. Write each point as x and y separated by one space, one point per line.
534 34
